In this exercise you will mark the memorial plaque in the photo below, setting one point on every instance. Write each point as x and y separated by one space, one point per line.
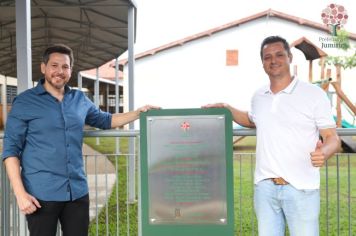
186 172
186 169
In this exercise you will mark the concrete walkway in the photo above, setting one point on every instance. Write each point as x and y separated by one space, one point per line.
101 176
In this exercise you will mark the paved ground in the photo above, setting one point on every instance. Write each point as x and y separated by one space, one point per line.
101 178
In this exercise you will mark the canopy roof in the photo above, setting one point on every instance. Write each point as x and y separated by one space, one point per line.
96 30
310 50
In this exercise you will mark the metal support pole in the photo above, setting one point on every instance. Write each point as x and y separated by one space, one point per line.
5 203
23 45
131 64
80 81
107 97
4 101
96 96
117 102
96 89
24 62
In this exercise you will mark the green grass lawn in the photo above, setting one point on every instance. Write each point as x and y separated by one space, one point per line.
334 219
127 212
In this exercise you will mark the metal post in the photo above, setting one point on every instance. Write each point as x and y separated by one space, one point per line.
23 45
4 101
107 97
139 223
96 89
80 81
131 61
117 102
5 203
96 96
24 60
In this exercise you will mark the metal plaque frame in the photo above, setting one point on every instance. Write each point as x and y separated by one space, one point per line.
186 172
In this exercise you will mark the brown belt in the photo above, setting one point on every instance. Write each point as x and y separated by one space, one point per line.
279 181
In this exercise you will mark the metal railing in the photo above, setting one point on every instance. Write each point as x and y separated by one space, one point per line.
112 213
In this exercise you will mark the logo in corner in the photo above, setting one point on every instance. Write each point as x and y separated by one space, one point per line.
335 16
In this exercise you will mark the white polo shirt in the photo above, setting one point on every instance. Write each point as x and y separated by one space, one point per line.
288 126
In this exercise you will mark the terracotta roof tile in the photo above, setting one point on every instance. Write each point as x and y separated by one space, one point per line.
106 71
267 13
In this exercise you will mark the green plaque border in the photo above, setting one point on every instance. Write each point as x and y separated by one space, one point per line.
147 229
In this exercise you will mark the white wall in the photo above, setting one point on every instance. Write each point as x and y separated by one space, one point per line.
9 80
195 74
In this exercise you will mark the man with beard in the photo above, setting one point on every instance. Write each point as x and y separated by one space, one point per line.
43 147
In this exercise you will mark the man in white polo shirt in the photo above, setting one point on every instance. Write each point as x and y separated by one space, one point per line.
289 115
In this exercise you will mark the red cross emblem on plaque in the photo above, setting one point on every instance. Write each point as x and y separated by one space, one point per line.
185 126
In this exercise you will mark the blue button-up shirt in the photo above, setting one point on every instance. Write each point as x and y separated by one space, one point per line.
47 135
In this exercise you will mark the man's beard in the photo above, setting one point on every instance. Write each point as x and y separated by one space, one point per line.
55 85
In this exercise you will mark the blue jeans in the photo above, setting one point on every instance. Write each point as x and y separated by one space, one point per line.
277 204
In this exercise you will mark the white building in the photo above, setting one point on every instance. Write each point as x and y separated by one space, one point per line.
194 71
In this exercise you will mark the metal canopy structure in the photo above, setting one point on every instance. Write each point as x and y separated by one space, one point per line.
96 30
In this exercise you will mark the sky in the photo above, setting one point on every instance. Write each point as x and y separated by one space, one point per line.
163 21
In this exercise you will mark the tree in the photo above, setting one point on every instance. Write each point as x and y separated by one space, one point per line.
346 62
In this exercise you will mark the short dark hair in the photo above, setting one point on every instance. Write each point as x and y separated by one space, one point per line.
275 39
60 48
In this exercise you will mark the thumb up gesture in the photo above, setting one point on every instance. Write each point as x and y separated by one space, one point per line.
317 156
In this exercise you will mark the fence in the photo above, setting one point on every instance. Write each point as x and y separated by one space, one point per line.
112 185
